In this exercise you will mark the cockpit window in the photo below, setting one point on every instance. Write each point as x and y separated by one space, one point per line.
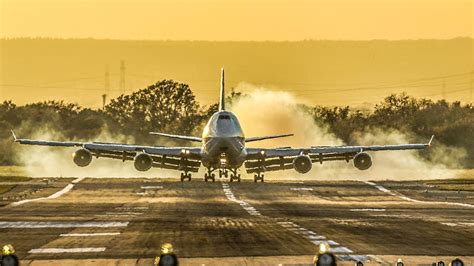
224 117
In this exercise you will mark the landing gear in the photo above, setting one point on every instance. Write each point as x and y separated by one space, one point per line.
185 176
235 177
258 177
209 176
223 173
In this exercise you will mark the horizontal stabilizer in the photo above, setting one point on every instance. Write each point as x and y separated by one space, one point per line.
188 138
267 137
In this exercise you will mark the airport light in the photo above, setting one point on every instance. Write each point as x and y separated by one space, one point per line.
324 257
400 262
167 257
8 256
457 262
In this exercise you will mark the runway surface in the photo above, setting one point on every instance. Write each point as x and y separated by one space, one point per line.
233 223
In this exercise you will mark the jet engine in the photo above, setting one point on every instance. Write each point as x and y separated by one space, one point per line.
302 164
362 161
82 157
143 162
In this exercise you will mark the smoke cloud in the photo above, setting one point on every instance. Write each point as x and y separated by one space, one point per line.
266 112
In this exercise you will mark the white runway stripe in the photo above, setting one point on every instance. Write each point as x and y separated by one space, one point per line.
66 250
92 234
367 210
301 189
151 187
381 188
340 250
53 196
61 224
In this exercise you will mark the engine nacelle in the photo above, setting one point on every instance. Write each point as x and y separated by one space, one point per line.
302 164
143 162
362 161
82 157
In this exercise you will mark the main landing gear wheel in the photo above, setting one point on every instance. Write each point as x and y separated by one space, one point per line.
223 173
234 177
209 177
185 176
258 177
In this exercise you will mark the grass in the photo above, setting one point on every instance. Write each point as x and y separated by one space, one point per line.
5 188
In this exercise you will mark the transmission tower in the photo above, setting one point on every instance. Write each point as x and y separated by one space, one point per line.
122 77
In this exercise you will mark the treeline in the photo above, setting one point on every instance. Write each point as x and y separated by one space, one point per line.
171 107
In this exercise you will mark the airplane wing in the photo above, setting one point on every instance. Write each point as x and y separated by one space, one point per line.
262 160
267 137
189 138
163 157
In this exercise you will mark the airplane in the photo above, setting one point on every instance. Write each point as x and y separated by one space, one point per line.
224 149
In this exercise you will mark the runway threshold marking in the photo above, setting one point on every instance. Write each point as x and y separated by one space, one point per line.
58 194
29 224
401 196
66 250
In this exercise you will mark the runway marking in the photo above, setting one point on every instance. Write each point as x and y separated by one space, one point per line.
367 210
66 250
401 196
124 213
353 257
458 224
92 234
151 187
301 189
61 224
131 208
230 196
53 196
329 242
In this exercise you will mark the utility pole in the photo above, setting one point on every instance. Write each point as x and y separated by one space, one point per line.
106 87
122 77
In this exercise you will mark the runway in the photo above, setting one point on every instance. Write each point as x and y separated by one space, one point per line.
230 223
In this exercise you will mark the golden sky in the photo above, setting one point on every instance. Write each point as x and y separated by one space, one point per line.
237 20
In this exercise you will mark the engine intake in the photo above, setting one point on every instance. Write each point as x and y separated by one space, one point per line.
362 161
302 164
143 162
82 157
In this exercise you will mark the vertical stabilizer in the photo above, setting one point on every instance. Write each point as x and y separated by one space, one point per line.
222 97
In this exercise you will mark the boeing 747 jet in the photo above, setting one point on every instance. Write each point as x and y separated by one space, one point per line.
224 150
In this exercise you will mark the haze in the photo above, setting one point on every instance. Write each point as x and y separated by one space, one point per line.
238 20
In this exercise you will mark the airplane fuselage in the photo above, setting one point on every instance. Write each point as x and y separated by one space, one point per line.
223 142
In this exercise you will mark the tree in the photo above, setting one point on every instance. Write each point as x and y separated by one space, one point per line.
166 106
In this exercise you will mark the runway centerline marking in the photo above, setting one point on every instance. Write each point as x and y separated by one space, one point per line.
29 224
401 196
246 206
293 227
56 195
66 250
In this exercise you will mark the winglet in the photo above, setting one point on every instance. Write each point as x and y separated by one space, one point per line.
14 136
222 93
431 140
